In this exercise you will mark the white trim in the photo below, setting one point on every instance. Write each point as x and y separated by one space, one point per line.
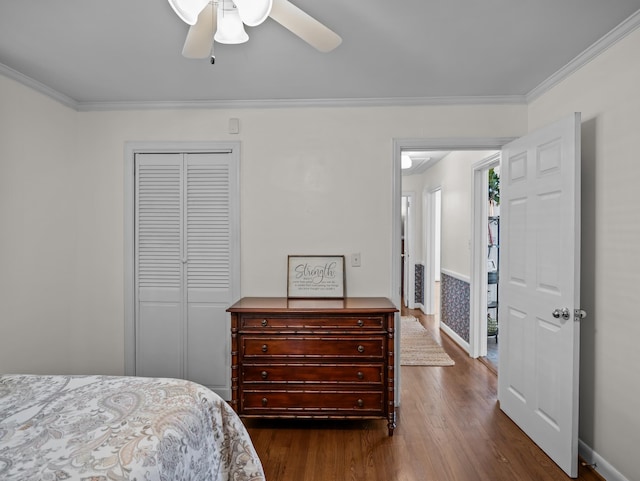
452 143
599 464
455 275
610 38
455 337
38 86
94 106
429 249
396 250
130 150
479 247
306 103
410 265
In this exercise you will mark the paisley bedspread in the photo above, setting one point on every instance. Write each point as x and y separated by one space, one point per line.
103 428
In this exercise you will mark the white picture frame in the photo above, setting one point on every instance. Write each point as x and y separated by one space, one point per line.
316 276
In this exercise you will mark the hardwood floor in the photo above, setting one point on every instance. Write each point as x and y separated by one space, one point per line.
449 428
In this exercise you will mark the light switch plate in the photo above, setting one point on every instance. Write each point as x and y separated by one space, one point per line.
234 126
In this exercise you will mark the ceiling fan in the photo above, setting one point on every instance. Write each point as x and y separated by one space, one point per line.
224 20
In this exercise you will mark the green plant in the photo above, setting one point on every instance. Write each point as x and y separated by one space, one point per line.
494 187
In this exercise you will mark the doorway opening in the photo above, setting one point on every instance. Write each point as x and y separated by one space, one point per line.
485 260
444 216
493 264
407 293
452 240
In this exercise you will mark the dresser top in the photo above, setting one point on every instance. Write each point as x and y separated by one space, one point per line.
284 304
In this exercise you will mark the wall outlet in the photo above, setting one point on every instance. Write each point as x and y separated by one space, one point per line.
355 260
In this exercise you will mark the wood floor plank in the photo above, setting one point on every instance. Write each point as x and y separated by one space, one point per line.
449 428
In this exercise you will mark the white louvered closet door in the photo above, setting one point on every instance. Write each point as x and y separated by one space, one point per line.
186 206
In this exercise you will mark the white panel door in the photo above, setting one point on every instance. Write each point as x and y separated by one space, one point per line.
186 265
539 282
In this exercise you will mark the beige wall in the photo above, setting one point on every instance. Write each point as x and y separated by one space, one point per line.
606 92
38 231
312 181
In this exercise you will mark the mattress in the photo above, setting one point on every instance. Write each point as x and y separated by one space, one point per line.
99 428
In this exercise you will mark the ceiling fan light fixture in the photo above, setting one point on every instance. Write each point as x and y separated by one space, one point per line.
188 10
253 12
199 41
230 26
405 161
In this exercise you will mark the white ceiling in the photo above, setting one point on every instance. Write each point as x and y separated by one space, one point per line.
90 52
421 160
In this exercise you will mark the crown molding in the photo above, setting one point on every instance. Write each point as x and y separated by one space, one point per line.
299 103
256 104
38 86
606 41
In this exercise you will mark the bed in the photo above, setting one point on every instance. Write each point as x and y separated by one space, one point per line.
109 428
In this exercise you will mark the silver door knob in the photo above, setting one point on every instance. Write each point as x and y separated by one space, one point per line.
564 313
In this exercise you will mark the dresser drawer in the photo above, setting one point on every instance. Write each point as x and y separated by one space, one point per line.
322 323
313 402
313 347
327 373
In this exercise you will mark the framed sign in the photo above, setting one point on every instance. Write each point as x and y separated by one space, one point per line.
316 277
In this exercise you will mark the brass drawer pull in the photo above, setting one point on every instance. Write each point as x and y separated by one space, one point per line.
360 403
360 375
264 401
264 374
264 323
361 349
264 348
360 323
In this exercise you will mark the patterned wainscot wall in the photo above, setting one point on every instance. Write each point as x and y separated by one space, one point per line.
454 305
418 297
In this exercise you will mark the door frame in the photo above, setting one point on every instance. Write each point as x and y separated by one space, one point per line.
479 247
398 145
430 230
409 251
138 147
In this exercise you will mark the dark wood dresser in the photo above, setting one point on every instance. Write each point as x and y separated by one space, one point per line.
311 358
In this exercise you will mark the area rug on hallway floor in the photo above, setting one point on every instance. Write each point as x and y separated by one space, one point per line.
418 348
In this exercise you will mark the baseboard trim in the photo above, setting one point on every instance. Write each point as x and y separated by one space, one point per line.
455 337
599 464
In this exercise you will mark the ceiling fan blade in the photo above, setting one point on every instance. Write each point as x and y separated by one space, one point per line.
304 26
199 41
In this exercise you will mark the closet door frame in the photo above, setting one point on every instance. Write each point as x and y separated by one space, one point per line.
131 149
